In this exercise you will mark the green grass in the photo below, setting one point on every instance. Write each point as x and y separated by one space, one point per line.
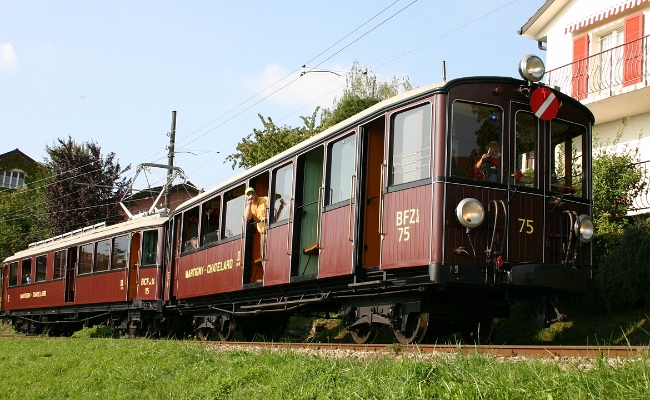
43 368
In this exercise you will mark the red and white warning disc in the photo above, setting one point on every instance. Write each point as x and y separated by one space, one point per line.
544 103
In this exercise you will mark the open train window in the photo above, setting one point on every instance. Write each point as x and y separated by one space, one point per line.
525 148
567 163
476 142
41 266
149 248
282 189
341 158
234 200
26 271
120 252
410 145
59 264
210 221
191 229
13 274
86 258
102 255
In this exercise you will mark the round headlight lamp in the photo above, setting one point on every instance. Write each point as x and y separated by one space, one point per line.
584 228
531 68
470 213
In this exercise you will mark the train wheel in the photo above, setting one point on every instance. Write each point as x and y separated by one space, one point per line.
205 334
478 332
364 333
228 330
416 329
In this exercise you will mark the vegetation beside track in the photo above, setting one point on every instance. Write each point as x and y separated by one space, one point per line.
147 369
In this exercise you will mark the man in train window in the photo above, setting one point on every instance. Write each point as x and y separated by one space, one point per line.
257 209
487 167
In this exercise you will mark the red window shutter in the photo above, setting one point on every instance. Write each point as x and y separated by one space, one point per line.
580 67
633 50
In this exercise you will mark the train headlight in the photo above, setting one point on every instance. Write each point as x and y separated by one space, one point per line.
584 228
531 68
470 213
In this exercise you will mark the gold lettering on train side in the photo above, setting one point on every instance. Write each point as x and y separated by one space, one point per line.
25 295
147 281
238 258
121 284
220 266
527 224
406 217
192 272
39 294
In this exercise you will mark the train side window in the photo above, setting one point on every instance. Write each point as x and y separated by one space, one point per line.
525 147
476 142
567 163
149 248
120 252
13 274
86 258
191 229
41 266
342 157
59 264
410 142
282 185
210 221
26 271
102 255
235 205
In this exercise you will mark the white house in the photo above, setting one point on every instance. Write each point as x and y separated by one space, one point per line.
597 51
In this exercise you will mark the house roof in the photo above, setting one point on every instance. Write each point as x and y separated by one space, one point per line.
18 153
541 18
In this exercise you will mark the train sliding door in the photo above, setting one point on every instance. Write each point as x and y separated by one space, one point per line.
132 271
339 207
368 238
71 274
405 198
307 214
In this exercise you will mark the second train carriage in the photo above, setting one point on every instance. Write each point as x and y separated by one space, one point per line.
98 274
390 219
430 212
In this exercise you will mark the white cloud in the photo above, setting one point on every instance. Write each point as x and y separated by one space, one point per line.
7 57
296 92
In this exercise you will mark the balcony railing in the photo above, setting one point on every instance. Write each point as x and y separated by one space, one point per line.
614 71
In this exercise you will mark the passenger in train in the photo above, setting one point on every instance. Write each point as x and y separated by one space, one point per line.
487 167
257 209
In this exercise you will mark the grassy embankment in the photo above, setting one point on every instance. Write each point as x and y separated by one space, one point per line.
146 369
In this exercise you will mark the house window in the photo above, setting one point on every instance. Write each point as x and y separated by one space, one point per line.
12 179
611 39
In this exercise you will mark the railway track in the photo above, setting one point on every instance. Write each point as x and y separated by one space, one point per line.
494 350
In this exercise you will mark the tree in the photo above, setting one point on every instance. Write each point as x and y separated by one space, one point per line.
361 92
22 214
621 247
85 189
271 140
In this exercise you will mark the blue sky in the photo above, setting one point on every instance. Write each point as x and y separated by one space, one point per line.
113 71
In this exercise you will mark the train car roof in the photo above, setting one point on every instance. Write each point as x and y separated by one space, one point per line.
153 221
353 120
400 99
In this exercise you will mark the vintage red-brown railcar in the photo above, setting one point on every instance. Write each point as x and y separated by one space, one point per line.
98 274
388 218
429 212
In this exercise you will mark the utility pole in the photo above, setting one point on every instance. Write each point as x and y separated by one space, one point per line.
170 161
